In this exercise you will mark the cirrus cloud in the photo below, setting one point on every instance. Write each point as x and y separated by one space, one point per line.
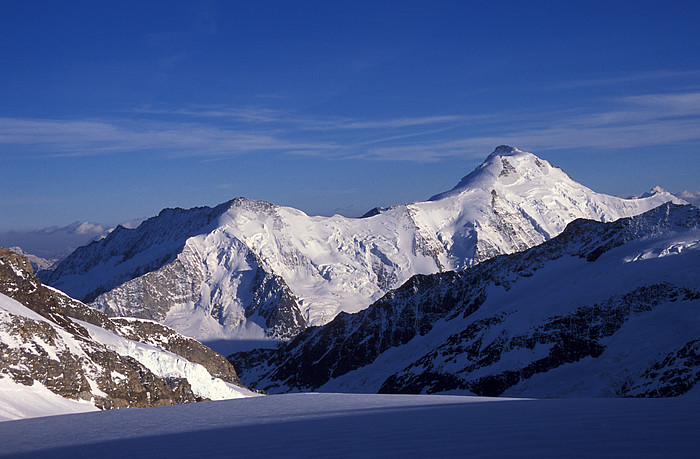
633 121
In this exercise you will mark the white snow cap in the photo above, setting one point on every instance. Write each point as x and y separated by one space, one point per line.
491 168
506 150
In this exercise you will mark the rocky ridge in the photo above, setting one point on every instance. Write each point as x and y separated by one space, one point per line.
38 263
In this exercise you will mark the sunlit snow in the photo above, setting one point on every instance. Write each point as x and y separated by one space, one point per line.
513 201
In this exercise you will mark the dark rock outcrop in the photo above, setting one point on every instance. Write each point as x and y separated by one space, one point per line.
568 338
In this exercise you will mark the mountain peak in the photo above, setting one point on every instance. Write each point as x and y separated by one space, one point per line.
506 164
653 191
506 150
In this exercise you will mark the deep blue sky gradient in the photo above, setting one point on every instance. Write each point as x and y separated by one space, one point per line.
110 111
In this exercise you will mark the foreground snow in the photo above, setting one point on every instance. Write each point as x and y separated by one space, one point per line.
341 425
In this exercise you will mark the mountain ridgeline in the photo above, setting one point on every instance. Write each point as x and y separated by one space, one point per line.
254 270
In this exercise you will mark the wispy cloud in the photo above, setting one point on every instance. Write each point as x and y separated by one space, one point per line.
611 80
692 197
243 114
392 123
262 115
219 132
78 138
640 121
687 104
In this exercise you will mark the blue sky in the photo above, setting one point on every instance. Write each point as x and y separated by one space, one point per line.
111 111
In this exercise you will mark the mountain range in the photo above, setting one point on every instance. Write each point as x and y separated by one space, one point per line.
517 282
252 270
603 309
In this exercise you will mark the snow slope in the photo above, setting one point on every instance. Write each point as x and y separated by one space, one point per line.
19 401
337 425
251 269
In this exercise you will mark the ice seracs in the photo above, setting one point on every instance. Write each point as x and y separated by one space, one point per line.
254 270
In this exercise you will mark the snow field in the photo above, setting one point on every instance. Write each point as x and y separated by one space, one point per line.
342 425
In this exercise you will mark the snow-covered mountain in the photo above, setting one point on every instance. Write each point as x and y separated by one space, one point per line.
603 309
57 354
251 269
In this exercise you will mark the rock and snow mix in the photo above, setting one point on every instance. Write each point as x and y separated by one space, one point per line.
584 314
165 364
253 270
603 309
52 362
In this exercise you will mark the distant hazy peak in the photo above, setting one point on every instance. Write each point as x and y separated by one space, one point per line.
692 197
653 191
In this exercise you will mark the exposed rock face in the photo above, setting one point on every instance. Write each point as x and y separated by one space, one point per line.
151 295
675 374
251 269
276 304
227 297
42 341
569 339
603 309
30 361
